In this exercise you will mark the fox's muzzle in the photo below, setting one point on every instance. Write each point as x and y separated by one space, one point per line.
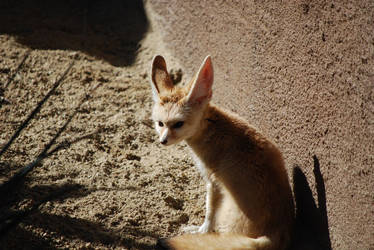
164 137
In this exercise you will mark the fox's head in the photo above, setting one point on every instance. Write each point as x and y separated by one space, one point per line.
178 111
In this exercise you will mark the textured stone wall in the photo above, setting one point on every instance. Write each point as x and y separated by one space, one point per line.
303 73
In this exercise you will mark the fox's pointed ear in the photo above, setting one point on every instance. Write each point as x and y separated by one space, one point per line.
201 88
161 80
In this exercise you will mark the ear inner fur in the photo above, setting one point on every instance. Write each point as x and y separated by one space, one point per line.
201 88
160 75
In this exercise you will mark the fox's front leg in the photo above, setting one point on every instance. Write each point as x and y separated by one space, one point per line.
213 196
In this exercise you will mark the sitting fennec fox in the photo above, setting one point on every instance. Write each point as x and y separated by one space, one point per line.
249 202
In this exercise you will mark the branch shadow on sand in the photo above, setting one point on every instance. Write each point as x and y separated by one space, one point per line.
24 217
62 228
311 229
109 30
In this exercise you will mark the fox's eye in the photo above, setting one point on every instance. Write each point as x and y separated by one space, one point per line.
178 124
160 124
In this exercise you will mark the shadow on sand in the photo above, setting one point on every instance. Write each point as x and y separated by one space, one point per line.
61 228
311 229
23 203
110 30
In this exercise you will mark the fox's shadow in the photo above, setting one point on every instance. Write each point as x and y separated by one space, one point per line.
311 227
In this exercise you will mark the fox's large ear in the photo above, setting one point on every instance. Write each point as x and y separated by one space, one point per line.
161 80
201 88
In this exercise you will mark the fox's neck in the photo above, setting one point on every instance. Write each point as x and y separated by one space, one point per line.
204 125
202 142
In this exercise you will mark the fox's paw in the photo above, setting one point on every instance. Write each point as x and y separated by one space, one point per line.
204 228
190 229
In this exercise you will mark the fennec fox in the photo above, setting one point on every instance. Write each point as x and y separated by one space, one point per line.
249 201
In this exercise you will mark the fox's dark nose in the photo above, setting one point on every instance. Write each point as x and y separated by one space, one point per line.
164 141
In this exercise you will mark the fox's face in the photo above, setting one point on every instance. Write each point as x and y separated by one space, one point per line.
174 122
177 111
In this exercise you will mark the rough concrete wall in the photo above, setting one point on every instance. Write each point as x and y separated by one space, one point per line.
302 72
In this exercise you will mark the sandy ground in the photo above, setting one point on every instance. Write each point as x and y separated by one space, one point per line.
105 183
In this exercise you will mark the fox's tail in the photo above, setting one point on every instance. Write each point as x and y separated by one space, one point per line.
212 241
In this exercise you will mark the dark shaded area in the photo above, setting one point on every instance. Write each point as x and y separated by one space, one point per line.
311 229
162 244
110 30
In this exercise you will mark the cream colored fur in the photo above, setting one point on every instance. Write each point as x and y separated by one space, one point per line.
249 200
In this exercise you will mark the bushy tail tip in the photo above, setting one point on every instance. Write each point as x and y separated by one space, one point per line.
213 241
